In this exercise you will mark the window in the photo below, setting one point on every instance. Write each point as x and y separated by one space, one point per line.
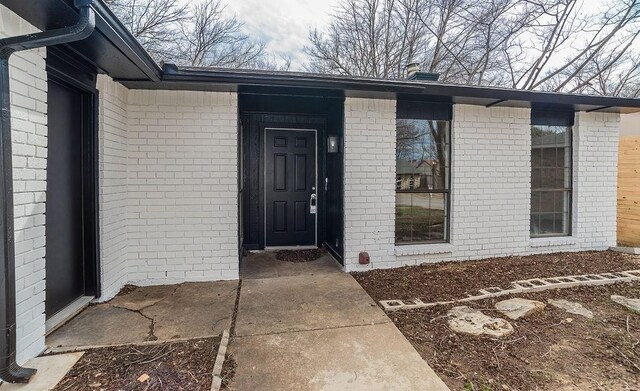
422 180
551 173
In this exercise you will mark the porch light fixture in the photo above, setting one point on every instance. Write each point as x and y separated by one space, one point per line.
332 144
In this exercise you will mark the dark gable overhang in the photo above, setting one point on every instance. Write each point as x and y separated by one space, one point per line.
111 49
114 51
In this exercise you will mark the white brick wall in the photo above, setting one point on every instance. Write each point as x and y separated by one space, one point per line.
113 185
595 179
369 180
490 190
28 80
491 176
168 186
182 186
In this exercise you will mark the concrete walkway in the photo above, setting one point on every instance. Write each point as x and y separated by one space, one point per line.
153 313
319 330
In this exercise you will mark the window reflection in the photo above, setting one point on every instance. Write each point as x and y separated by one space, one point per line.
422 180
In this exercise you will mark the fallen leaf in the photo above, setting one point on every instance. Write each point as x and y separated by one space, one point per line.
143 378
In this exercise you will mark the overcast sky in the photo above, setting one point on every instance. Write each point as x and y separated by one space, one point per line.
284 24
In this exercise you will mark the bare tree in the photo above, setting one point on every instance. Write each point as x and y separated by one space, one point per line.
366 37
200 34
211 39
554 45
153 22
591 46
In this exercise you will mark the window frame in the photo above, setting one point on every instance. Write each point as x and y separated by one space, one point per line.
559 119
446 192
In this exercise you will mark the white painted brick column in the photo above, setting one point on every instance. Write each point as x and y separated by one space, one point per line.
595 179
28 80
112 119
369 194
491 181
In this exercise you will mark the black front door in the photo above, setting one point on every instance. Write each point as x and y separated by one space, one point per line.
290 187
64 204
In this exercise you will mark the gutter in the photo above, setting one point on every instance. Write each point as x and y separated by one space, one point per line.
10 371
185 77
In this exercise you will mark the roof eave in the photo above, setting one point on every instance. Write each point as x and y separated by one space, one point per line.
179 78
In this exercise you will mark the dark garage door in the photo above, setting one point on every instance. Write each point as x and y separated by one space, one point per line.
64 205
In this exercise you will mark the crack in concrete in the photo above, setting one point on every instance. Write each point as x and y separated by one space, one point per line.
385 322
152 325
177 286
234 315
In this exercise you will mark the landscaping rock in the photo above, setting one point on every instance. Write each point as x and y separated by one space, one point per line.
571 307
463 319
517 308
631 304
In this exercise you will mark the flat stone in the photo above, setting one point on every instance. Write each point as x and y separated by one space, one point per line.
631 304
463 319
571 307
51 369
517 308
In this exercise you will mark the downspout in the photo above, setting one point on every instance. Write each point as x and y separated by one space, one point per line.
10 371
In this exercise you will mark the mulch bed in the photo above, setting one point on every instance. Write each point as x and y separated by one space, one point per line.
546 351
456 280
228 371
184 366
549 350
297 256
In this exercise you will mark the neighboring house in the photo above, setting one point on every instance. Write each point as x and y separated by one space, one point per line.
126 172
629 181
412 175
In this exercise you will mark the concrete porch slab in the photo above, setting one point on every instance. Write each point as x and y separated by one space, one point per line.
188 310
264 264
51 369
305 302
102 324
373 357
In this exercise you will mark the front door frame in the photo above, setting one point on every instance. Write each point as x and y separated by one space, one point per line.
65 75
264 184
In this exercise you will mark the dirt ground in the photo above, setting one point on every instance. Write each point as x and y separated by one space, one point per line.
549 350
184 366
456 280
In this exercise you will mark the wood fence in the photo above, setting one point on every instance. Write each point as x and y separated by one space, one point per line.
629 191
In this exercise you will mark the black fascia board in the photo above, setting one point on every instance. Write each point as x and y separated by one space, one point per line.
110 34
113 30
189 76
